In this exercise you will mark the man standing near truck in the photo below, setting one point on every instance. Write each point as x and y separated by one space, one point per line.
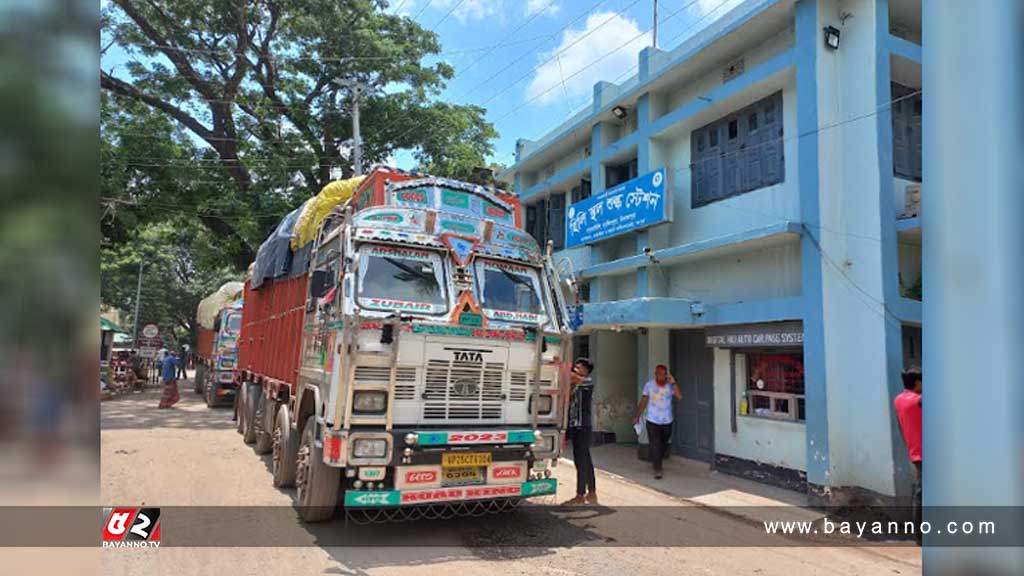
169 374
657 401
580 421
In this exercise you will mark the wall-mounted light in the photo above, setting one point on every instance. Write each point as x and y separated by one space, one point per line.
831 37
620 112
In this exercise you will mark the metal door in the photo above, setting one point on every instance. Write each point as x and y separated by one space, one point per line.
692 363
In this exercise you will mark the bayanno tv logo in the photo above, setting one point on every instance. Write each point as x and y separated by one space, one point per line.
131 527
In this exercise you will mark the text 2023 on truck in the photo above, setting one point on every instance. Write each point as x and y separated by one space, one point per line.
408 355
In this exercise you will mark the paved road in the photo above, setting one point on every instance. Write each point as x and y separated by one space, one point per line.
191 456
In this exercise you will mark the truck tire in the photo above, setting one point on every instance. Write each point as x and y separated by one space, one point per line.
198 378
248 409
285 446
263 423
317 483
209 394
239 402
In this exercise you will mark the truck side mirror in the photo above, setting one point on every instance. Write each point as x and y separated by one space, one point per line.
318 284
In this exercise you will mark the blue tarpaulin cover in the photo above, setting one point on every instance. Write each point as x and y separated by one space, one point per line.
275 258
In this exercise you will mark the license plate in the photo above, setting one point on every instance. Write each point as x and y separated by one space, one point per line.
465 475
463 459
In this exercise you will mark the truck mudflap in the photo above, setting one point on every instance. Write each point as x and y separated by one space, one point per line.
398 498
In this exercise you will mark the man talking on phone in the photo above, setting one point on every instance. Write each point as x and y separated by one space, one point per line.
657 401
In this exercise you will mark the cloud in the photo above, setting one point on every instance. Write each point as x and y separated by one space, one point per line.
543 7
605 48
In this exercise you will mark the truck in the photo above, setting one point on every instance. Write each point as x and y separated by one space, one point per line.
411 355
219 319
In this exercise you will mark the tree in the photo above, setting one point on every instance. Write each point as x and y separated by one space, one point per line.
253 83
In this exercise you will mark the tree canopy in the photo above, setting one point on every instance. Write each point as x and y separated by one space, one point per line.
232 111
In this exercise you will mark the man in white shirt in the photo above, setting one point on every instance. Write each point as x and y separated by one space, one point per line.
657 401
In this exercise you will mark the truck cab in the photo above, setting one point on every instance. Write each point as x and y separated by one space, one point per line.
434 364
221 383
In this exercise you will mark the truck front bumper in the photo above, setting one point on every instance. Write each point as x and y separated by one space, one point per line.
398 498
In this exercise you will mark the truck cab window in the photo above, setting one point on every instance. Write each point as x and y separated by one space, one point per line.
401 279
509 292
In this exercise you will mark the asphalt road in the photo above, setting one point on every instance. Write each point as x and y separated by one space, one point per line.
192 457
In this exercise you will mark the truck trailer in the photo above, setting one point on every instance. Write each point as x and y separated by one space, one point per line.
408 353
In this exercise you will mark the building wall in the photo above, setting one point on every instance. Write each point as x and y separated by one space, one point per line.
757 439
615 356
859 434
759 273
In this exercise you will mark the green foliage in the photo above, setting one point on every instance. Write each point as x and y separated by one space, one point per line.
178 270
228 110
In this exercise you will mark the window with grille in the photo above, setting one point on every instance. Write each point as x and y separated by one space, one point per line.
545 219
775 385
906 132
738 153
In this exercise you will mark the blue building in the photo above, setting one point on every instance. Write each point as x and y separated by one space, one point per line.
783 287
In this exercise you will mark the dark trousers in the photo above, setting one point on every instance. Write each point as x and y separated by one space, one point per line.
918 490
584 463
658 435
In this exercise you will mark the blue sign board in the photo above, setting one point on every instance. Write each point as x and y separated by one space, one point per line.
633 205
575 316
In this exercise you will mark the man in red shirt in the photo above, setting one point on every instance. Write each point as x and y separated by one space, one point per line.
908 412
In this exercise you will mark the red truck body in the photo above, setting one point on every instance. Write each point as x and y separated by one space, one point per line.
204 344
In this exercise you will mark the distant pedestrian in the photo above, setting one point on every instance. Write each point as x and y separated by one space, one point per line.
182 361
169 372
657 401
908 412
580 431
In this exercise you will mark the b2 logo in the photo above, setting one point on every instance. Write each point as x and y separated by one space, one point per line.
138 525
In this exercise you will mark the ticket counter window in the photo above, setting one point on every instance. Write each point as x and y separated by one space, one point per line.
775 385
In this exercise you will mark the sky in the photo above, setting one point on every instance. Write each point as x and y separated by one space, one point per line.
533 63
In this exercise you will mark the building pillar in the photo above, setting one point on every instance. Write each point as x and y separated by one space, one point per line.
973 264
902 473
815 395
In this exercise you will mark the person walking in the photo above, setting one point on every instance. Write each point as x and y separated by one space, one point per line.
169 372
657 402
908 412
579 429
183 362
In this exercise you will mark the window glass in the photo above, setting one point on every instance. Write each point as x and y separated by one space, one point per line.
734 129
713 136
752 121
398 278
509 292
775 385
234 323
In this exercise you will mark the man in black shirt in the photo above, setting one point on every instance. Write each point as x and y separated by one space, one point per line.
580 421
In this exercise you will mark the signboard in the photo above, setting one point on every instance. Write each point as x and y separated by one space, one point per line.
769 335
633 205
150 331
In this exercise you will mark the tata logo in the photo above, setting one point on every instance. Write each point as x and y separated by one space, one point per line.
420 477
465 387
469 356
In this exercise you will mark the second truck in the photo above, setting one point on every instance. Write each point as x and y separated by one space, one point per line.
404 343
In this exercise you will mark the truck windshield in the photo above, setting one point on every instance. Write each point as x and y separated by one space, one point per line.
234 323
509 292
395 278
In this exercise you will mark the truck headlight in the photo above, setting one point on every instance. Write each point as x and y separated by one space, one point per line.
544 402
369 447
369 401
544 445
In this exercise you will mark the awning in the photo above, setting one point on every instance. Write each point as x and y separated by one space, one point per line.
108 326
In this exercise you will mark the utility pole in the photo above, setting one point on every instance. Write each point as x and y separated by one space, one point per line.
138 297
654 39
357 90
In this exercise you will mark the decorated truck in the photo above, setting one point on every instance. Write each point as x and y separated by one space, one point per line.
219 317
406 351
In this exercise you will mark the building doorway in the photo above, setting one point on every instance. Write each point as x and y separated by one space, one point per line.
692 363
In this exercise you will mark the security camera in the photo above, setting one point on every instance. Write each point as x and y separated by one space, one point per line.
650 255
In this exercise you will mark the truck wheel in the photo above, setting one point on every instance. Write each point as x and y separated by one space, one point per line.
248 409
209 394
264 424
239 402
284 448
198 380
317 483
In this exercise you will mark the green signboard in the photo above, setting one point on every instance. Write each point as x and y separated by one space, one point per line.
538 487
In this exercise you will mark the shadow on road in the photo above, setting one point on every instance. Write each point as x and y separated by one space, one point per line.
138 410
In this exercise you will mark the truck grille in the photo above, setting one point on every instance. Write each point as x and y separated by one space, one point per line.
405 379
463 390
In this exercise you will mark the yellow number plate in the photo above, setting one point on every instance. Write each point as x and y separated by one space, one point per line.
462 459
462 475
